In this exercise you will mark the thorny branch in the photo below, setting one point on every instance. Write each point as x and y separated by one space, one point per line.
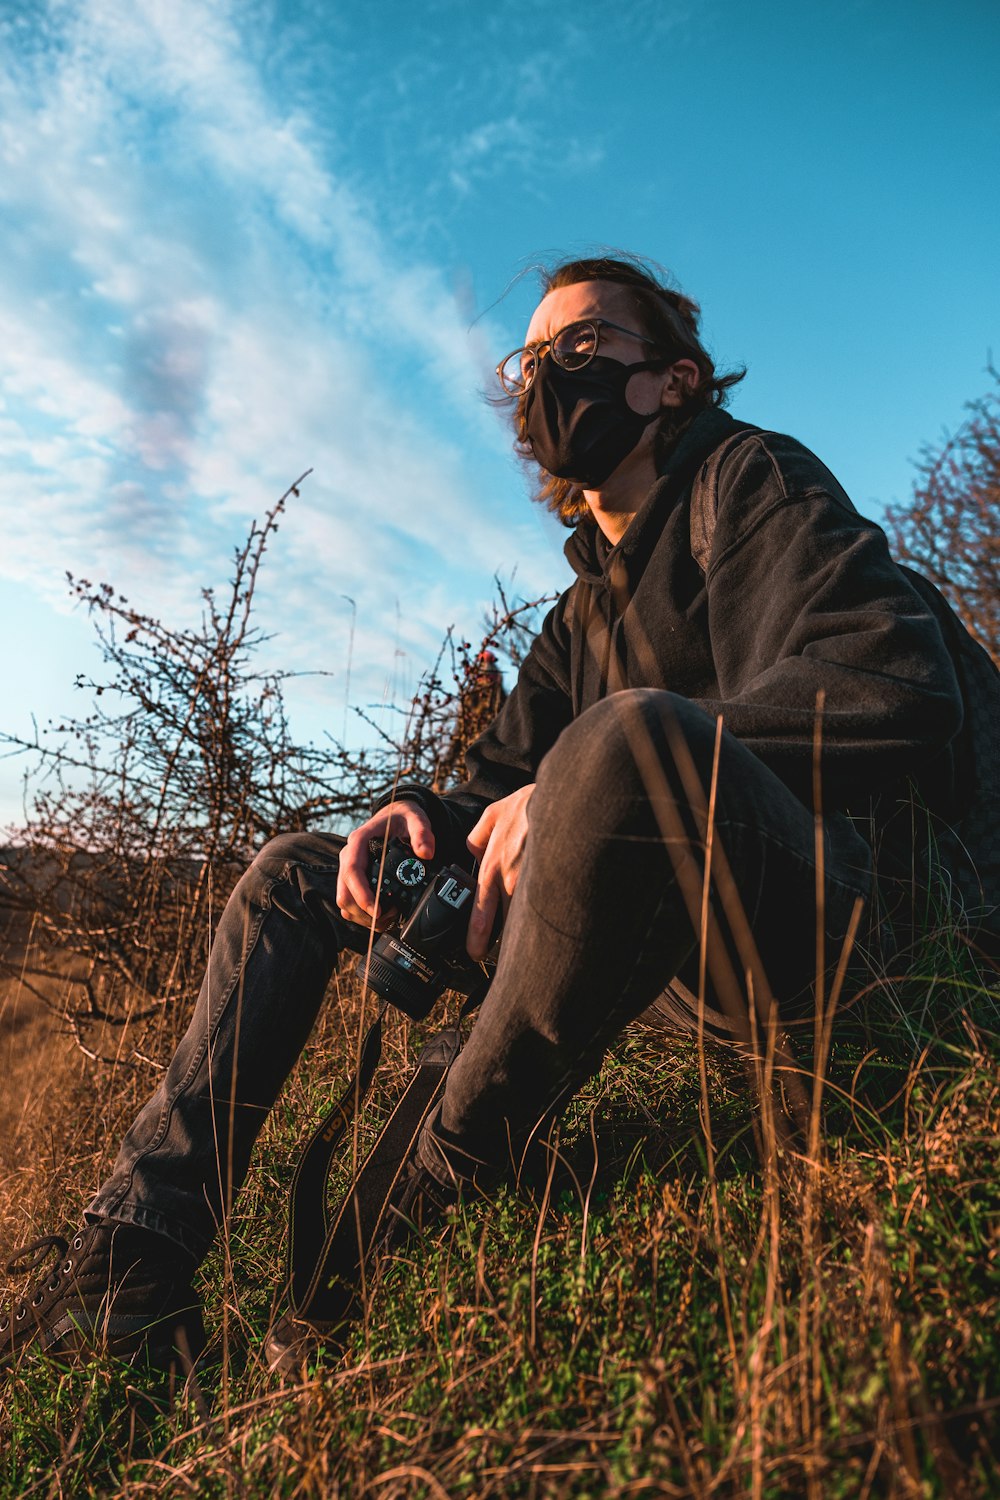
145 810
950 527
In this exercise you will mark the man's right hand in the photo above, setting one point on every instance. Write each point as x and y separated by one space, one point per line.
355 897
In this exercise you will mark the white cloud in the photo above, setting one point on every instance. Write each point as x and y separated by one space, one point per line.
197 310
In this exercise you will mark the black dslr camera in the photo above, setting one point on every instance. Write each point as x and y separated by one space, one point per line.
424 952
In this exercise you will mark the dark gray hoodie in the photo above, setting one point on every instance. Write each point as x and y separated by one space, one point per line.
800 596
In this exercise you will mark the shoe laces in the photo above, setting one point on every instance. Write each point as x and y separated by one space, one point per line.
37 1250
30 1258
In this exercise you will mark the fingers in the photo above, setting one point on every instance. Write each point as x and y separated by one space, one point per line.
483 914
488 886
418 830
480 836
356 899
355 896
497 841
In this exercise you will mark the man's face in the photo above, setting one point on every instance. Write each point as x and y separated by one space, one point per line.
648 389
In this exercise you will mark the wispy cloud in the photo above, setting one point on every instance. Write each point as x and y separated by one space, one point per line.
197 308
514 141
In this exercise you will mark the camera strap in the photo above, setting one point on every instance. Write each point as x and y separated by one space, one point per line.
327 1256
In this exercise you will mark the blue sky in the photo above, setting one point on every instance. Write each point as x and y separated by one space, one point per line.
240 240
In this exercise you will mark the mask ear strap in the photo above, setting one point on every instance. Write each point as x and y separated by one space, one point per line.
664 362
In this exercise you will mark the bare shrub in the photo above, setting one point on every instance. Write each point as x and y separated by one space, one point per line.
949 529
457 701
184 763
146 809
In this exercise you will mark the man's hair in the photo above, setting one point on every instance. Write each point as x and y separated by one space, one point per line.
667 316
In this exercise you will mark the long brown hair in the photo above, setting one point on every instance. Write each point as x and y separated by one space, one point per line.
667 316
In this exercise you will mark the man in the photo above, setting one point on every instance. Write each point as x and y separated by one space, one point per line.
737 640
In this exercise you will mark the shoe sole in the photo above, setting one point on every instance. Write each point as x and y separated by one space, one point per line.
168 1344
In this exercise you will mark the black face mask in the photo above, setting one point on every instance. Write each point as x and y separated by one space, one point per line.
578 422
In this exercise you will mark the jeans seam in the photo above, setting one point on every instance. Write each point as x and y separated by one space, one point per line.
163 1124
796 853
570 1069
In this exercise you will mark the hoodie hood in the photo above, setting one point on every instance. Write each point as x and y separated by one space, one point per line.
588 551
798 597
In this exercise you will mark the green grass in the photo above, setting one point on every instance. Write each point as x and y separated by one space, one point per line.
650 1317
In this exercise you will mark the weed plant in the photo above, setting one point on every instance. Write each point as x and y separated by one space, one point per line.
682 1296
641 1315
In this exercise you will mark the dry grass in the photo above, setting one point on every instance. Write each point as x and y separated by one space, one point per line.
693 1298
649 1317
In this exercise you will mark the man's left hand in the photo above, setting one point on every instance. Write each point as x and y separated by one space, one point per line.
497 841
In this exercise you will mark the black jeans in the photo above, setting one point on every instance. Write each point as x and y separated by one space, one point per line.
608 910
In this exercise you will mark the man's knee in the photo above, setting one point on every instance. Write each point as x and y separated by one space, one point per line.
625 749
318 851
301 861
295 874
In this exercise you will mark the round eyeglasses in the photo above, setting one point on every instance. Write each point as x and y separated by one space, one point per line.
572 348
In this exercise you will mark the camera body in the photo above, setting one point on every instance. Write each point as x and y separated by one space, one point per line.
424 953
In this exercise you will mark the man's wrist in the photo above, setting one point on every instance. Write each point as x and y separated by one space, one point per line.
407 791
451 817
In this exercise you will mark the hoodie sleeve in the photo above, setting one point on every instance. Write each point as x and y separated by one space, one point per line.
507 755
803 600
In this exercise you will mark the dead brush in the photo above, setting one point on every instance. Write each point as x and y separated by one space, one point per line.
144 811
632 1327
768 1271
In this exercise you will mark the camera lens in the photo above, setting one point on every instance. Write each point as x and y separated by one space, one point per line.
398 974
410 966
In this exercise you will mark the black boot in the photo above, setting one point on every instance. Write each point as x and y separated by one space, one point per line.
115 1288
